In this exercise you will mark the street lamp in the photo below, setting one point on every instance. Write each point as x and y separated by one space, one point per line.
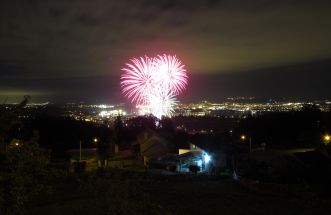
326 139
80 150
18 143
243 138
95 140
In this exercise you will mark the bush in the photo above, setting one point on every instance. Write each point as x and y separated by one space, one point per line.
23 175
79 167
117 194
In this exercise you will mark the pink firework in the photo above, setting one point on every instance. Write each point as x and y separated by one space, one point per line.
153 82
137 79
171 73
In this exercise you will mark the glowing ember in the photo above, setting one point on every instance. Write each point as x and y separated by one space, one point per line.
154 83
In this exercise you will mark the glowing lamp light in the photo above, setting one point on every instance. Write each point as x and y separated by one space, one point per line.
207 158
199 163
327 139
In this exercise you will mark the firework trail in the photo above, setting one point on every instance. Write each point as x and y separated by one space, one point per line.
154 82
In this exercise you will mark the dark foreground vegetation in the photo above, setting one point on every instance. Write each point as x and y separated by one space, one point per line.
35 177
118 192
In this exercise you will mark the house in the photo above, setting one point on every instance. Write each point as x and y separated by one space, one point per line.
150 144
192 159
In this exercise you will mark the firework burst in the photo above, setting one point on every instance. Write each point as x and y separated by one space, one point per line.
171 73
137 79
154 82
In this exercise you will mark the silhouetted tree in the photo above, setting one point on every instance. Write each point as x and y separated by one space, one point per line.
285 129
140 123
9 120
166 125
120 133
24 170
181 139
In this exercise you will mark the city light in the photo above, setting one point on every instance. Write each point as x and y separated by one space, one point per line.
112 113
104 112
242 137
95 140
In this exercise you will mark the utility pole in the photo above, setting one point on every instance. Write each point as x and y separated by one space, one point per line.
80 150
250 144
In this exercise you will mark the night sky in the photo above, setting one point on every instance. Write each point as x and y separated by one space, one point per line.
73 50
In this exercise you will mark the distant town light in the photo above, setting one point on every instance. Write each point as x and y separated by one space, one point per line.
103 113
109 113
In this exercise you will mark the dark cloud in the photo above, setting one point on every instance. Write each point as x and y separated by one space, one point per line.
164 6
59 40
87 20
55 12
13 70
